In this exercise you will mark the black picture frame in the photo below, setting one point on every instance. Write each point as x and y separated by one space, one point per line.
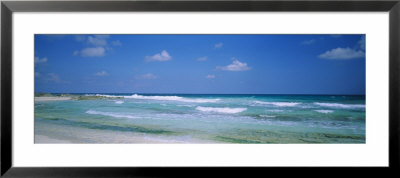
8 7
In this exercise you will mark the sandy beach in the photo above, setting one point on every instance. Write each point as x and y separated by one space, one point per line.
51 98
62 134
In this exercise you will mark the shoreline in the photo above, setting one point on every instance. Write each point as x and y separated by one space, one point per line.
51 98
126 139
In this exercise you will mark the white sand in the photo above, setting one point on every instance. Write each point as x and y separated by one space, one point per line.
122 138
51 98
49 133
46 139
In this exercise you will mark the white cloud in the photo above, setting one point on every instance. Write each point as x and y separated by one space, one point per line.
218 45
235 66
202 58
147 76
80 38
99 45
210 76
336 36
98 40
76 53
52 77
102 36
101 73
91 52
40 60
361 43
342 53
163 56
308 42
116 43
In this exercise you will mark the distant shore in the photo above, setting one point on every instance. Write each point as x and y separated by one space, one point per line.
51 98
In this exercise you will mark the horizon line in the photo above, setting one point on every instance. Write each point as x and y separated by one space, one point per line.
190 93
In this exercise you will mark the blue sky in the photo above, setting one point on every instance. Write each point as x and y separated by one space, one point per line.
241 64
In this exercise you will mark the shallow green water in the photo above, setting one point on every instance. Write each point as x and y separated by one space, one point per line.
114 118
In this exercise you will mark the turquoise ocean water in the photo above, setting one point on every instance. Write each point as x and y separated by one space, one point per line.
189 118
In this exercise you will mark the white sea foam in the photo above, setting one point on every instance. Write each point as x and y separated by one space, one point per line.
173 98
280 104
267 116
275 110
339 105
107 96
185 105
221 110
119 102
118 115
324 111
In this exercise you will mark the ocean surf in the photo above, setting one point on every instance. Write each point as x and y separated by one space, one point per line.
194 118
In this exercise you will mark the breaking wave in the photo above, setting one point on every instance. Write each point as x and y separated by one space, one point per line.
172 98
339 105
111 114
324 111
225 110
119 102
280 104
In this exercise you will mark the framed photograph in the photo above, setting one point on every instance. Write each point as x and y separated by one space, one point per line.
136 88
